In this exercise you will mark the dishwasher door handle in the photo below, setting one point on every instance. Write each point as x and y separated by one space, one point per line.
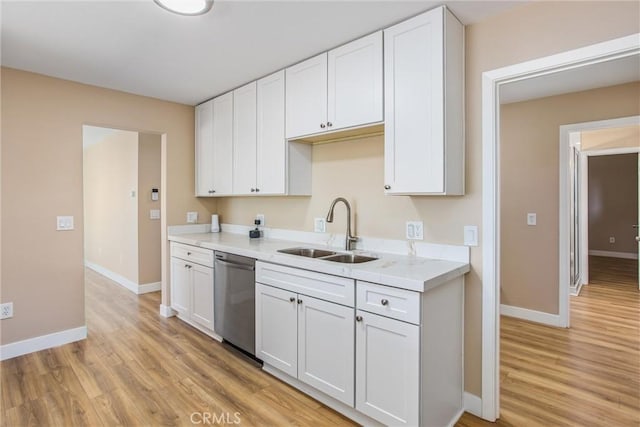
235 265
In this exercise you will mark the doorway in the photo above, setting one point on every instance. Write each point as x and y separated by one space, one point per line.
122 211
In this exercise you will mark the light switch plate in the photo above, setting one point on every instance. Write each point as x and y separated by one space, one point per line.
154 214
415 230
471 235
192 217
64 223
319 225
532 219
261 218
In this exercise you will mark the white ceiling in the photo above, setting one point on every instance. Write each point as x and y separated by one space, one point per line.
137 47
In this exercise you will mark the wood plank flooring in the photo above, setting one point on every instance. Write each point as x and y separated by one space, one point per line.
587 375
139 369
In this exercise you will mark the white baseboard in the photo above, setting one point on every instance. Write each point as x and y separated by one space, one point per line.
612 254
531 315
15 349
472 404
123 281
166 311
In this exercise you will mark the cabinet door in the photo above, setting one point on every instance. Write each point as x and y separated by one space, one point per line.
271 146
202 295
387 369
277 328
244 139
326 347
306 97
222 144
414 105
180 285
355 83
204 149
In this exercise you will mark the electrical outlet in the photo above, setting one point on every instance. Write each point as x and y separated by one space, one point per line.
64 223
319 225
471 235
532 219
154 214
192 217
612 239
415 230
261 218
6 310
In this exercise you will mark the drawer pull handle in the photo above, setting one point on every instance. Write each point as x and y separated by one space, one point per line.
384 302
292 299
299 301
358 318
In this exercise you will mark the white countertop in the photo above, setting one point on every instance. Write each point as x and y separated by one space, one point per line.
406 272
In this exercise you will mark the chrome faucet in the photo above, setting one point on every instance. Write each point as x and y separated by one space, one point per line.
349 239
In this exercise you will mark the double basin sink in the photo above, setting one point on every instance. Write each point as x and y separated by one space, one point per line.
345 258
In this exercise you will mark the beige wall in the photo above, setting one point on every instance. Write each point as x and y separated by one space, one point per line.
110 210
520 34
149 242
529 182
613 202
601 139
42 118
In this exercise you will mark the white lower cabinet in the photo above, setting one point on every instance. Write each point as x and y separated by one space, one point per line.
192 285
389 395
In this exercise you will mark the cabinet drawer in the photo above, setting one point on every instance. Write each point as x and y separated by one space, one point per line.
387 301
194 254
324 286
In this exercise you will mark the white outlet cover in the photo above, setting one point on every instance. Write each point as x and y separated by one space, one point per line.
532 219
64 223
415 230
471 235
154 214
319 225
6 310
192 217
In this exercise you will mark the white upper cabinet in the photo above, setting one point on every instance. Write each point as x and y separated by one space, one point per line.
336 90
271 142
222 144
204 149
307 97
424 105
355 83
244 139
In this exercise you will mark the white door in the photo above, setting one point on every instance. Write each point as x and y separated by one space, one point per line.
202 296
271 142
414 105
180 285
277 328
204 149
326 347
244 139
222 144
355 83
387 369
306 97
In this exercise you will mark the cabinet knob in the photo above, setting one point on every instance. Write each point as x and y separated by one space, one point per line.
384 302
299 301
329 124
253 190
257 190
292 299
358 318
212 191
322 125
387 187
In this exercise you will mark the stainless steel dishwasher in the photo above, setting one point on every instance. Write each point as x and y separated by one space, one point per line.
234 300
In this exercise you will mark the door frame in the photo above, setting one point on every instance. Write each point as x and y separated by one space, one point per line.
491 83
569 136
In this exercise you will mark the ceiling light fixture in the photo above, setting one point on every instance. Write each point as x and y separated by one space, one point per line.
186 7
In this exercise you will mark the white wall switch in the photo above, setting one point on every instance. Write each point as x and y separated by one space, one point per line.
532 219
319 225
471 235
261 218
64 223
192 217
6 310
154 214
415 230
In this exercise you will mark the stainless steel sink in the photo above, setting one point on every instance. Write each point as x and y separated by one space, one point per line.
307 252
349 258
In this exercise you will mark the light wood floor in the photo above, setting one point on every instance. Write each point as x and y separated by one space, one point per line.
587 375
139 369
